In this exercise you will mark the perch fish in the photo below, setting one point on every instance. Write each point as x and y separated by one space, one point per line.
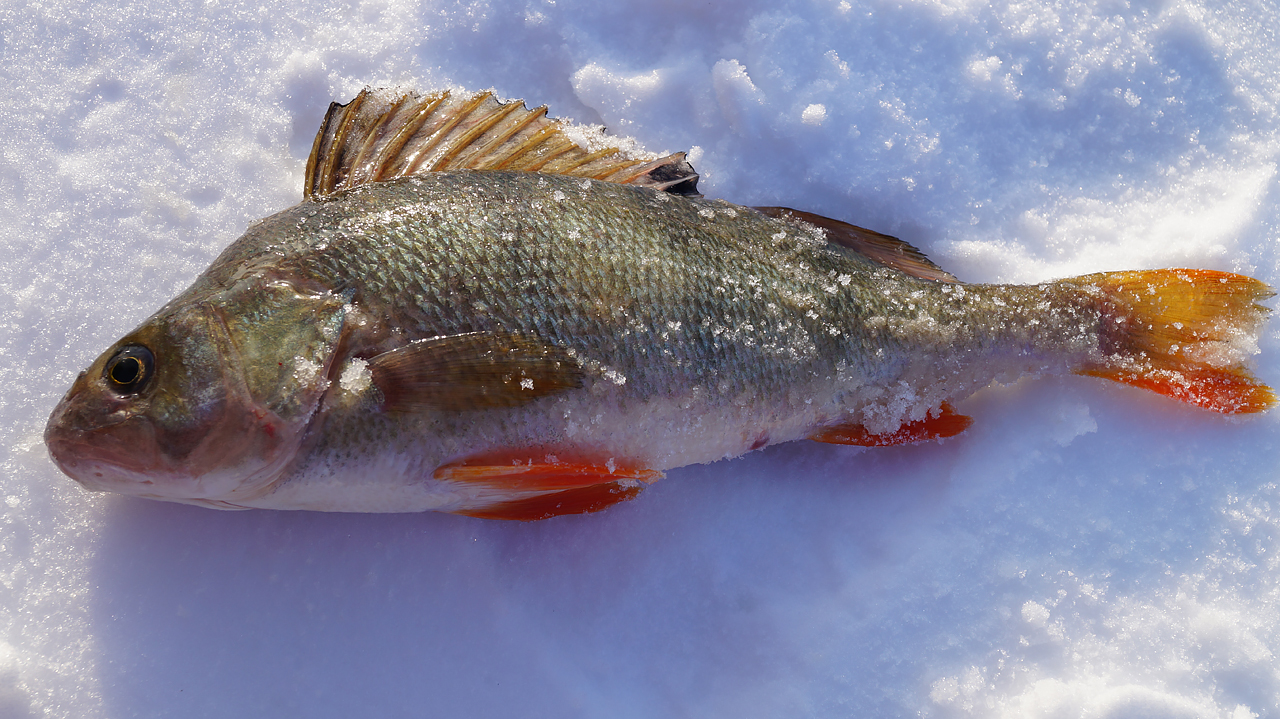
478 309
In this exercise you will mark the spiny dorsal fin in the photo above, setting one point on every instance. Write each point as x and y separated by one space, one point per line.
883 249
380 136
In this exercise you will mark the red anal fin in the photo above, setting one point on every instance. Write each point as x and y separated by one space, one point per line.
947 423
581 500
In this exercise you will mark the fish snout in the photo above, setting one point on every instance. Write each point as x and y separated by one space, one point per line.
96 442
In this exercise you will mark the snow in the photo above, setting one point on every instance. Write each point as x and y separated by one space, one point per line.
1085 549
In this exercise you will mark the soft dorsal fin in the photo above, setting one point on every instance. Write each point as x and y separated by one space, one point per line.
381 136
880 248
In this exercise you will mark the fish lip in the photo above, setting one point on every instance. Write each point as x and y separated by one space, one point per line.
71 425
92 433
90 455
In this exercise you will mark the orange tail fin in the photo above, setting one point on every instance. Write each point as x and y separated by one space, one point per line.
1185 334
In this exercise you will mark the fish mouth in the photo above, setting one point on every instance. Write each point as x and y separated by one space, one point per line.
106 445
100 451
123 457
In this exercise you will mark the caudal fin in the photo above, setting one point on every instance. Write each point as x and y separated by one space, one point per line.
1183 333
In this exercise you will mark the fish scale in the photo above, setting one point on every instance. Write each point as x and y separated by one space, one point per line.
643 291
517 344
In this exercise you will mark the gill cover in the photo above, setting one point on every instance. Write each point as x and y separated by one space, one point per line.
207 401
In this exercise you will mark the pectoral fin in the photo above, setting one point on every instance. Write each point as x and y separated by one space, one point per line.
476 370
947 423
545 488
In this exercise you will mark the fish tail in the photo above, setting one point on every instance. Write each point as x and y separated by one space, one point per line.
1182 333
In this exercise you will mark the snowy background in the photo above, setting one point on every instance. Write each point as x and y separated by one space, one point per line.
1085 550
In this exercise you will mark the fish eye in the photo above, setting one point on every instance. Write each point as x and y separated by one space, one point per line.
129 370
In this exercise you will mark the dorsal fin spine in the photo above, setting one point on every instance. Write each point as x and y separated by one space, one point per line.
506 129
516 128
663 186
558 147
627 170
327 175
644 168
635 171
581 161
419 157
371 142
445 161
516 161
391 151
309 184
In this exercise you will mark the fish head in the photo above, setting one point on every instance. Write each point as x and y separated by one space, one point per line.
204 403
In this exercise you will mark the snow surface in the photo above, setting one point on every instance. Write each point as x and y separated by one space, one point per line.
1085 550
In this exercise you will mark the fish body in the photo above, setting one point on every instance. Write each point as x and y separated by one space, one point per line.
522 343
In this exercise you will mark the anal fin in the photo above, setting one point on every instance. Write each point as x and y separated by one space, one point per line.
947 423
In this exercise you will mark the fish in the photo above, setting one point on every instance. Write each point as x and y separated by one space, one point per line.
478 309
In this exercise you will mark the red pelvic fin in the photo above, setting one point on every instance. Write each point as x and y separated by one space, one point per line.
947 423
526 489
546 474
581 500
1176 332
